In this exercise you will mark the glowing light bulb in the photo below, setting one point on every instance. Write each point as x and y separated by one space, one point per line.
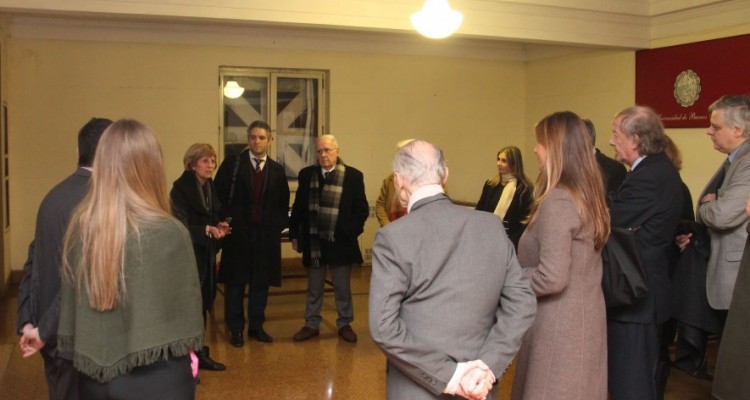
436 19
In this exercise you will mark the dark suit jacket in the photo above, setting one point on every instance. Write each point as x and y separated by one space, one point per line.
445 290
517 212
733 360
650 198
187 206
252 253
353 212
613 172
39 291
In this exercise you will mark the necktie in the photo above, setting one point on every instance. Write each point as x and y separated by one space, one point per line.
326 174
724 169
257 164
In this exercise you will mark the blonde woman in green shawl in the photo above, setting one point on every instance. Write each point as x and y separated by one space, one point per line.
131 302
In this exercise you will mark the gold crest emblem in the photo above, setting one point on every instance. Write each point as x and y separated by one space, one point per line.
687 88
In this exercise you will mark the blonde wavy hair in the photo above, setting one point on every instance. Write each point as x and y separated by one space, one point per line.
571 165
128 186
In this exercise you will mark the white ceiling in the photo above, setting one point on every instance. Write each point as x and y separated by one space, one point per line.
529 26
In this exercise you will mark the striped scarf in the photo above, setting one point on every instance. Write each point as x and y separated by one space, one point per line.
324 209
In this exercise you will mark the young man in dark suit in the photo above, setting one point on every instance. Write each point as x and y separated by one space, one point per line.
254 192
39 292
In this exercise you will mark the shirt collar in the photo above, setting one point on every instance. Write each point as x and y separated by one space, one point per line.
636 162
734 152
423 193
254 157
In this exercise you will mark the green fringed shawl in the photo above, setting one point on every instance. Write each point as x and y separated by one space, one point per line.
158 317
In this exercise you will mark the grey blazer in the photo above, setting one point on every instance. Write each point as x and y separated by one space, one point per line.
726 220
446 287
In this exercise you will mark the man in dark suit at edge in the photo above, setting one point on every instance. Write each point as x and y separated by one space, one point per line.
39 292
449 303
649 199
328 215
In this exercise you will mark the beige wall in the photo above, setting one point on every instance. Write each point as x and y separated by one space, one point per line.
700 160
597 85
593 85
470 107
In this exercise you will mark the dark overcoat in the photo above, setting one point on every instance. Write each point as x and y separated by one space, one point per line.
353 212
252 253
650 198
519 208
188 207
731 379
39 291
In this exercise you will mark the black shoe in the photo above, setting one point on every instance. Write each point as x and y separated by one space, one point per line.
305 333
236 339
205 362
348 334
260 335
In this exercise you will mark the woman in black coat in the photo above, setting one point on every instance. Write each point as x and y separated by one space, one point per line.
196 204
517 202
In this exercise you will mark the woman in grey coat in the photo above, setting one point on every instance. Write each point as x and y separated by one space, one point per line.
564 353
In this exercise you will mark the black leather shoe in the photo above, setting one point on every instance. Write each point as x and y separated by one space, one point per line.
236 339
305 333
260 335
348 334
205 362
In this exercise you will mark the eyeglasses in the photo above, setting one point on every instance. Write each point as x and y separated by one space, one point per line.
327 151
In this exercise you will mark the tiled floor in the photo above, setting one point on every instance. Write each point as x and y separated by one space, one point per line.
321 368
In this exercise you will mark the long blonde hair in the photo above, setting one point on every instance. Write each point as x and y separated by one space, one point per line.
571 165
128 186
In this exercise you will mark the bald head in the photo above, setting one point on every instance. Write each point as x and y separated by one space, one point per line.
420 163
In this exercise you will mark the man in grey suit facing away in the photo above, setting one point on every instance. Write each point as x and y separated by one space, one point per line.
449 303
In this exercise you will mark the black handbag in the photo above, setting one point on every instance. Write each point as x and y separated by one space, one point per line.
624 280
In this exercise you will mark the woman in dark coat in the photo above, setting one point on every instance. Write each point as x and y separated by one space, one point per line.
196 204
512 207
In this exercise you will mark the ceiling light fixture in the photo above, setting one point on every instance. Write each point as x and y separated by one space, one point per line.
233 90
436 19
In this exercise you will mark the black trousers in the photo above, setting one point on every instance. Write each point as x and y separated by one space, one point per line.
163 380
62 378
257 300
633 358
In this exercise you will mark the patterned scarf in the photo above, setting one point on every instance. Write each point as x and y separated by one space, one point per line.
324 209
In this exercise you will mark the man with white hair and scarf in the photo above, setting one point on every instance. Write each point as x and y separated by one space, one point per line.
328 215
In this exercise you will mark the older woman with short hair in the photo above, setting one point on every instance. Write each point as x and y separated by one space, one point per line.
196 204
